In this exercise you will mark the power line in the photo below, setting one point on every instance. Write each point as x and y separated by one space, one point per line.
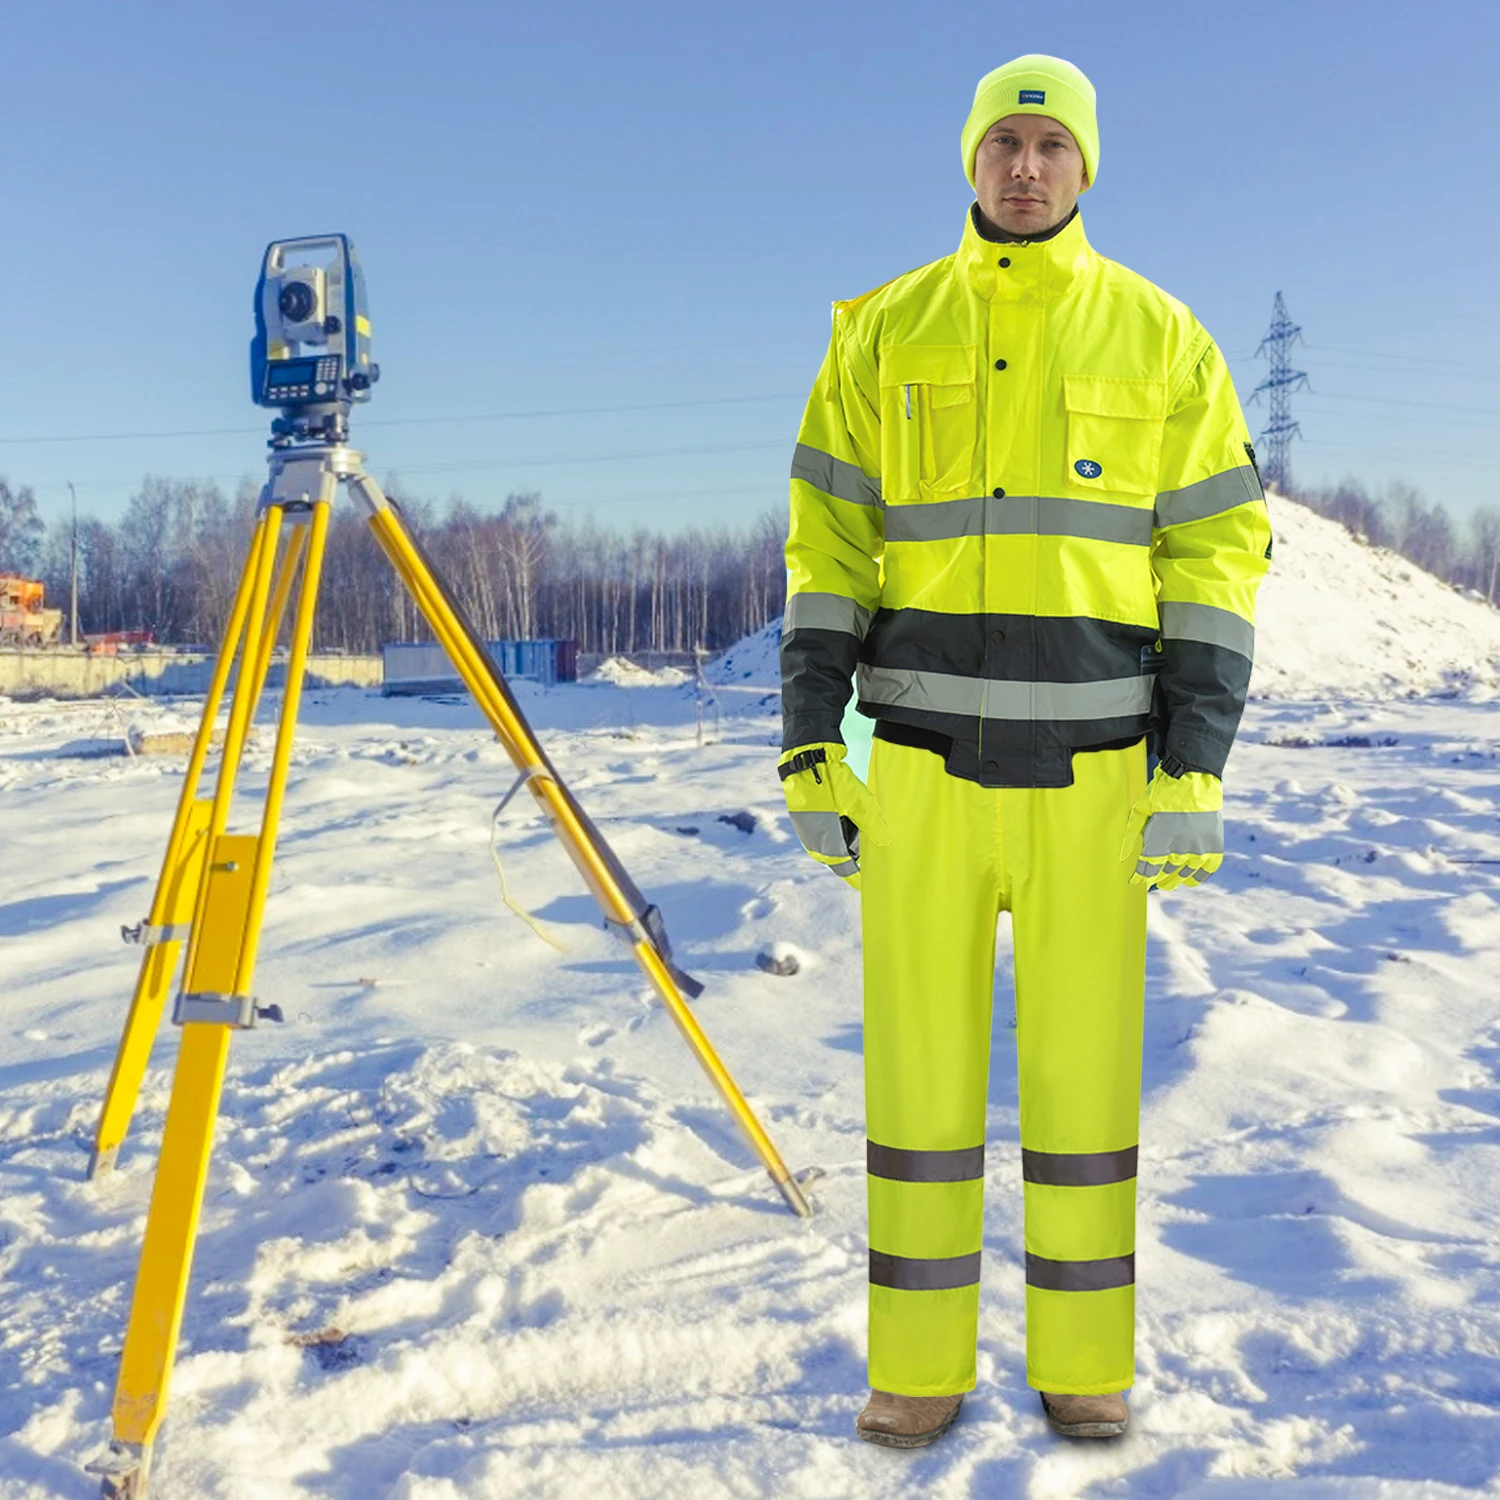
741 489
1368 354
491 416
490 465
1445 459
475 466
1483 411
1406 359
1468 379
583 411
1417 419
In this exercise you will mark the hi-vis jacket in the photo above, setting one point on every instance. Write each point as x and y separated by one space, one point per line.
1025 514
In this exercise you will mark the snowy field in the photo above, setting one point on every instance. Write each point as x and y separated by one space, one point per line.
477 1225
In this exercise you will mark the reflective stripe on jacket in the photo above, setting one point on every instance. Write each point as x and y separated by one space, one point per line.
1024 515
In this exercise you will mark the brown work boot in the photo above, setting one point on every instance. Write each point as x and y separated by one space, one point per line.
906 1421
1086 1416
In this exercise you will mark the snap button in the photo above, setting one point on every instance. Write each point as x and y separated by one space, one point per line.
992 767
997 637
998 493
999 364
1004 261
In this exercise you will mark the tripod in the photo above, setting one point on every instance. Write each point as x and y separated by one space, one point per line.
211 896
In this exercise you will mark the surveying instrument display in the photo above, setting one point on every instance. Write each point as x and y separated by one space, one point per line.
310 362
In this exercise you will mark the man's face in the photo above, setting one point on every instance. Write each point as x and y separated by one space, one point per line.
1028 173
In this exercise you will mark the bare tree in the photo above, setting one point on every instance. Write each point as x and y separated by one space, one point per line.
1484 531
21 530
1402 519
174 558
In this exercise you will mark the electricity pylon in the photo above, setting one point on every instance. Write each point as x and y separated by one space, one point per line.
1281 381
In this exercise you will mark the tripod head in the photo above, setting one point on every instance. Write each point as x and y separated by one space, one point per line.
310 357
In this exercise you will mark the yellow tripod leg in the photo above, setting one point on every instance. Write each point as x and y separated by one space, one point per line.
307 604
176 898
220 970
243 704
171 912
177 1196
285 576
516 736
220 921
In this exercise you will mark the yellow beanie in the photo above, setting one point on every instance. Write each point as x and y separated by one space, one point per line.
1035 85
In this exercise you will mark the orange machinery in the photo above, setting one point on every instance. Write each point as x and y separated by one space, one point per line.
24 619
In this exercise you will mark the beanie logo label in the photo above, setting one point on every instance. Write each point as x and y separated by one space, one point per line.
1088 468
1033 96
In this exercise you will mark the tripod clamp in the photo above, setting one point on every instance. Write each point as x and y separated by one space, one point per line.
146 933
208 1009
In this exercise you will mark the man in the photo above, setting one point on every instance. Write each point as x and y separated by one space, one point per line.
1025 515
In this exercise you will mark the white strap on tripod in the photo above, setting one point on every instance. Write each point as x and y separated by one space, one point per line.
529 774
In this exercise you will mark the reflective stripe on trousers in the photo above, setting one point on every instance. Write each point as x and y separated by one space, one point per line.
959 854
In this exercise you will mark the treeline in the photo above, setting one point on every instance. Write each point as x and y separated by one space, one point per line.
1464 553
171 562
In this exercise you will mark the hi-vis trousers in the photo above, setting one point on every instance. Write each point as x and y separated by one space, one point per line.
960 854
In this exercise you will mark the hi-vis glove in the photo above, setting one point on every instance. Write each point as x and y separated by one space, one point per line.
830 807
1183 820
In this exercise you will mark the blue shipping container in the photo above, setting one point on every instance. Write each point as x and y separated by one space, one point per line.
419 667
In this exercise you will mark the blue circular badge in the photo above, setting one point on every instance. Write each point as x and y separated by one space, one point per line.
1088 468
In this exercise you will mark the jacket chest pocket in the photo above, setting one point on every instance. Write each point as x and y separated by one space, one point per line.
928 422
1114 426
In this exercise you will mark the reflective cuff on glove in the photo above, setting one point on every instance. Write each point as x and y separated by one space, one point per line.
823 834
1172 834
1175 834
829 806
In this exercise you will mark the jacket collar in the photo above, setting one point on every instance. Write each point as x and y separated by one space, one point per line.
1038 270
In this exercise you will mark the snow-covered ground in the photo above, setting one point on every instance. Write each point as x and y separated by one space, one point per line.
477 1225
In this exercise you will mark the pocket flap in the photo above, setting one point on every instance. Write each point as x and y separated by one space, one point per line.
927 364
1115 396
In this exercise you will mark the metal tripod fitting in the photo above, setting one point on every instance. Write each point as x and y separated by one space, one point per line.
123 1469
145 934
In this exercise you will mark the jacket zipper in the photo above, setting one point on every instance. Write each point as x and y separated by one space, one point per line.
908 403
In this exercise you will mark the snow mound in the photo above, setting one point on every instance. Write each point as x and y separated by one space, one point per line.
1339 618
623 673
754 661
1336 617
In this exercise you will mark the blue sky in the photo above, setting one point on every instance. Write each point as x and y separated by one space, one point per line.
586 206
